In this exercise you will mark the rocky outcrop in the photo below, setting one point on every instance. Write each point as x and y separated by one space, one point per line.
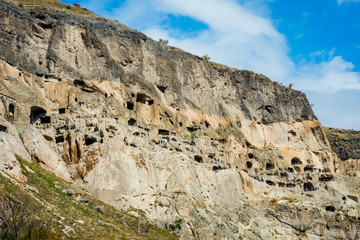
201 149
346 143
10 143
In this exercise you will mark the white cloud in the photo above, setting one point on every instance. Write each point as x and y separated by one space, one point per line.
328 76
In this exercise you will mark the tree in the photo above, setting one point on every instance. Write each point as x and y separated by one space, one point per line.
77 5
206 57
163 42
18 221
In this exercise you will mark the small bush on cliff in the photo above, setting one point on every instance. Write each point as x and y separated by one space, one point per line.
163 42
176 226
206 57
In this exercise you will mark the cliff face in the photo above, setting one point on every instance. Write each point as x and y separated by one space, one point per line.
186 141
63 46
346 143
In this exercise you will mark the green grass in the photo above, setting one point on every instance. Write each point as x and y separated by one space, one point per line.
60 205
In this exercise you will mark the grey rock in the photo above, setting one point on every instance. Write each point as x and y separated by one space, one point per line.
31 188
69 191
83 198
99 209
144 226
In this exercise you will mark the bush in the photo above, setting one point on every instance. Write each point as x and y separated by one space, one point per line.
206 57
40 234
18 221
163 42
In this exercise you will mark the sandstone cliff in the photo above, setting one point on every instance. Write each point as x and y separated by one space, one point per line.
206 151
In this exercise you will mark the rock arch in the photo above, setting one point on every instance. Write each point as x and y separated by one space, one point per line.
7 107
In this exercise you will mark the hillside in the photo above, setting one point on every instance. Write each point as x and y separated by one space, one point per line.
197 148
73 213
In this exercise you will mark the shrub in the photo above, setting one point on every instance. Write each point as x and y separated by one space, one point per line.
77 5
39 234
206 57
163 42
18 219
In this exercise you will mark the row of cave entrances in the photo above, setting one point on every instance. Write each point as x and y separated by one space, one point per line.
307 187
269 166
40 113
89 140
140 98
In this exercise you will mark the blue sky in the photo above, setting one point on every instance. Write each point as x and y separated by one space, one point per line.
313 44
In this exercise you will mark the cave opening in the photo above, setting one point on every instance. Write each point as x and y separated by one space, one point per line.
308 169
11 110
216 168
296 161
144 99
131 122
290 185
198 158
162 88
3 128
59 139
270 166
330 208
163 132
270 183
89 140
36 113
325 178
308 187
62 110
79 83
45 119
249 165
130 105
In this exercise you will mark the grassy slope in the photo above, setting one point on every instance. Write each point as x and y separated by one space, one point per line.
62 209
48 5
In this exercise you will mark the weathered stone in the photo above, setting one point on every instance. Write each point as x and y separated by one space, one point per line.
31 188
69 191
99 209
83 198
144 226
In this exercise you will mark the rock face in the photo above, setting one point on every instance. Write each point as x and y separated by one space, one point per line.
346 143
206 151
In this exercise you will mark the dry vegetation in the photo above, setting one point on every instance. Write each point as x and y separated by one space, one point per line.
50 5
60 210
